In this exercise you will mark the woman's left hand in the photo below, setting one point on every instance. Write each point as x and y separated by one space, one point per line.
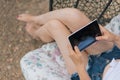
79 58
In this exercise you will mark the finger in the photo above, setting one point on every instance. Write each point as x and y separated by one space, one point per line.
70 49
99 38
104 37
77 51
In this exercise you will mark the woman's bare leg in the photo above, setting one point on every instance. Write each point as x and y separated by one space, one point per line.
55 30
32 30
71 17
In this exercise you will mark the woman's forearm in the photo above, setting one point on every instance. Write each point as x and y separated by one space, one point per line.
83 73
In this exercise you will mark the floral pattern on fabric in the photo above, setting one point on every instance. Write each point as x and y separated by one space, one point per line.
45 63
114 25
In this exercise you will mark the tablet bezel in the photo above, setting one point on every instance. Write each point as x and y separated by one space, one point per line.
88 25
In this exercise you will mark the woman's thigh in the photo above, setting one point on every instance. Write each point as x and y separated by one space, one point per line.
71 17
75 19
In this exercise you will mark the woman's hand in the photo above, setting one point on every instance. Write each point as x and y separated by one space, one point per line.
106 35
79 58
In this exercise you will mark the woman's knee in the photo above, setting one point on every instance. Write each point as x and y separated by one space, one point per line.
75 12
54 24
74 18
49 29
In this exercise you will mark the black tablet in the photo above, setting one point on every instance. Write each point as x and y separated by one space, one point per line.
85 36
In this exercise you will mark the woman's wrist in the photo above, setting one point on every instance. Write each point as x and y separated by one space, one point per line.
117 40
82 72
80 67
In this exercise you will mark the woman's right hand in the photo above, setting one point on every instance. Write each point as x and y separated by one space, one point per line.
106 35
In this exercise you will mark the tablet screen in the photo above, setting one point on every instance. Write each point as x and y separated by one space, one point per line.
85 36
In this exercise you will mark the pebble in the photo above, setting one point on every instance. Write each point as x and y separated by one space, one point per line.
9 67
118 1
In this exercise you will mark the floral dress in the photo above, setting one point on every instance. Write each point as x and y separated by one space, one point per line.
46 63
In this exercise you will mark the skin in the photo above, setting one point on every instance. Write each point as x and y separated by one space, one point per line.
57 26
47 27
79 60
